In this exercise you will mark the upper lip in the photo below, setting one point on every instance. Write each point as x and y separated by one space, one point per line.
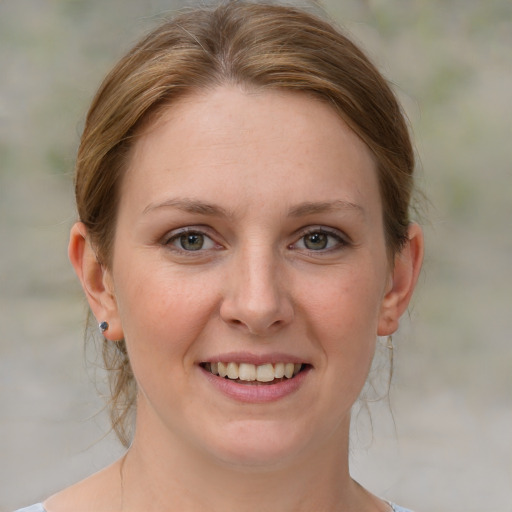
256 359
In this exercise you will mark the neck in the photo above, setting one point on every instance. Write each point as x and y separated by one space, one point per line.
175 476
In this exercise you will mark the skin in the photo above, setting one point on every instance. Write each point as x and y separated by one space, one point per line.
277 170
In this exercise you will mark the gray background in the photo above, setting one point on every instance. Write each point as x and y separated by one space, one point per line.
452 393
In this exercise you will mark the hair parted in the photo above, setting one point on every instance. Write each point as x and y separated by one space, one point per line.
249 44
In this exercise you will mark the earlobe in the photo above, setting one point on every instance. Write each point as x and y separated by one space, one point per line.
96 281
407 266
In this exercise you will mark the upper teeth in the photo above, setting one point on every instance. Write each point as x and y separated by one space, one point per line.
250 372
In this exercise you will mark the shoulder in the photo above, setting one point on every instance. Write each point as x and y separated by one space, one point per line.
38 507
98 493
396 508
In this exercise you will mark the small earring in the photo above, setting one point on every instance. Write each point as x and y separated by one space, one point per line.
103 326
388 344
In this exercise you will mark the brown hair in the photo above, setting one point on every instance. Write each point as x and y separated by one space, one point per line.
248 44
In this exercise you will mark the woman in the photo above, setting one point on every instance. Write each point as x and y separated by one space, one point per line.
243 185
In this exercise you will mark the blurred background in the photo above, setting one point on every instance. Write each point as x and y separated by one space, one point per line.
447 444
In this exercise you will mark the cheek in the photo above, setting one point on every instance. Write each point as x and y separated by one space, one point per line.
345 304
343 317
163 313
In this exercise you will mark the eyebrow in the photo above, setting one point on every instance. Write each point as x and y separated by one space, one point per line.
312 208
301 210
189 206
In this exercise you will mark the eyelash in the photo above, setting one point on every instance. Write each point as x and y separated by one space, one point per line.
176 237
168 241
339 240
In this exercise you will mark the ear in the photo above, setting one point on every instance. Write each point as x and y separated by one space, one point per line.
96 281
406 269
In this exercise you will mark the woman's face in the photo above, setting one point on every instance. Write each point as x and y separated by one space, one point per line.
250 232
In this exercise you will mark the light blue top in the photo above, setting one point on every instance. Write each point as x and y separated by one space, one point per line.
395 508
39 508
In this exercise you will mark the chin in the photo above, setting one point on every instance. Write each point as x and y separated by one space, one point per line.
256 445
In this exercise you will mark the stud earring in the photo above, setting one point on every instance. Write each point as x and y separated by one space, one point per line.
103 326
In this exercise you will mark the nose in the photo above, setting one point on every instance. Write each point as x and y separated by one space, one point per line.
255 296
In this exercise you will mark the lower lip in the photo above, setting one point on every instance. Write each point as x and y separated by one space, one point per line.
256 393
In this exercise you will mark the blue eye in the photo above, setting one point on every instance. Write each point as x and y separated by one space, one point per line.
316 241
191 241
319 240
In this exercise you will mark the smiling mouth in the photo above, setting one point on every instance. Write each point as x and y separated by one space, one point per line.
246 373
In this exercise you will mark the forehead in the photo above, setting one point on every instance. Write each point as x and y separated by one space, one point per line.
263 140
